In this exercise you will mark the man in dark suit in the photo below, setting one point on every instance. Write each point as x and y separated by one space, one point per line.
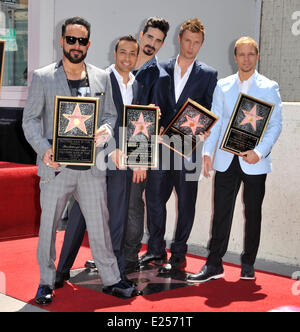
125 89
190 79
154 85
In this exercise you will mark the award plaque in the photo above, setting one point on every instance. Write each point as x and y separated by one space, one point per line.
247 125
182 133
75 124
140 136
2 53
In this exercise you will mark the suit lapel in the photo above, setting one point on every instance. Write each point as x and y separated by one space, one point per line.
61 79
92 80
170 71
253 91
233 93
116 92
195 74
135 90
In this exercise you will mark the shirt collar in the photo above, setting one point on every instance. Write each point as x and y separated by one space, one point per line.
151 62
178 69
250 79
120 78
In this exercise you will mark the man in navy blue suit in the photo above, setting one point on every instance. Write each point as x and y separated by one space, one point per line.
190 79
125 91
154 85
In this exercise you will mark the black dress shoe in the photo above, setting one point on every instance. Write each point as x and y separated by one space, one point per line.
60 279
150 258
207 273
247 272
121 289
128 281
174 263
90 265
44 295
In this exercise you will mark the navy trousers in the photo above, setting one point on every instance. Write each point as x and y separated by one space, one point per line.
160 184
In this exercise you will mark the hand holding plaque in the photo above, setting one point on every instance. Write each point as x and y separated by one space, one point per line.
75 125
247 125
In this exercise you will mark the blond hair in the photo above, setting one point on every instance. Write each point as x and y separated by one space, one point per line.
192 25
246 40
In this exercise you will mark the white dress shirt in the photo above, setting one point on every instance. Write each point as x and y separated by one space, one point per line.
245 86
126 90
180 82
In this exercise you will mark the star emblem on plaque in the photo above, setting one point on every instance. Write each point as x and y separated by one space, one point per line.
77 120
141 126
247 125
193 123
251 118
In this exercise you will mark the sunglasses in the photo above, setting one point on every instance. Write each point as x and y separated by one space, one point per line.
72 40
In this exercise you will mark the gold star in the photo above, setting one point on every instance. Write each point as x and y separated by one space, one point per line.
251 117
141 126
193 123
77 120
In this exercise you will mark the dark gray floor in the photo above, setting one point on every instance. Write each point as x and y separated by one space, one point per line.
148 280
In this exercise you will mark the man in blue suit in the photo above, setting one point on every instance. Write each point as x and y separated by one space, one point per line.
124 91
189 79
154 85
251 167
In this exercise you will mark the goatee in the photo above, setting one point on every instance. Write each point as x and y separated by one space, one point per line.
75 60
149 50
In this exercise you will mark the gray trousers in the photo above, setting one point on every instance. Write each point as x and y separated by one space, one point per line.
90 192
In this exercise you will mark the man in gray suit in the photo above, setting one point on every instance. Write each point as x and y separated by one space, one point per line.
71 77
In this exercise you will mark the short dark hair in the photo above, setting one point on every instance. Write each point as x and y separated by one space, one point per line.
129 38
157 23
76 20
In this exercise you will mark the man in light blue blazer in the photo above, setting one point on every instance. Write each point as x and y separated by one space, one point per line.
250 167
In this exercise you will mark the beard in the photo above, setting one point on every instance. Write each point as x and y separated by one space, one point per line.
75 59
149 50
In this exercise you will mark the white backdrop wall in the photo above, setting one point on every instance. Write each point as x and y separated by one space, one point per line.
225 22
